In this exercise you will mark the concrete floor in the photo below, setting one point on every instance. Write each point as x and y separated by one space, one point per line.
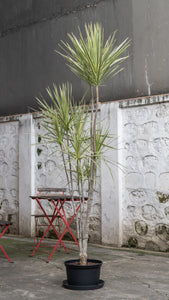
128 274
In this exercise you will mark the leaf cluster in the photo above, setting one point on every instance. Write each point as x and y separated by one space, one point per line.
90 58
68 128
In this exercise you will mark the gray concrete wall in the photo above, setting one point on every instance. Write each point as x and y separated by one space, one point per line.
110 183
150 55
29 35
145 185
31 31
9 172
48 172
131 208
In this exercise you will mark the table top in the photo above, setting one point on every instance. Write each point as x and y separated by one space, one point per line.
61 197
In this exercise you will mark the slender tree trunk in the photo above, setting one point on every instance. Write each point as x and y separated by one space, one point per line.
83 252
84 241
93 125
64 163
92 111
93 166
71 190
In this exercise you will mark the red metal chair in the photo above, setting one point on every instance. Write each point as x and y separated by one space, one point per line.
38 217
4 225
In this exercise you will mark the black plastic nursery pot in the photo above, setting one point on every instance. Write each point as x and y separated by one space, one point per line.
83 277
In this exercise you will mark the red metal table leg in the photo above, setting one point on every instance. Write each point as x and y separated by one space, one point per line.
67 228
5 229
50 225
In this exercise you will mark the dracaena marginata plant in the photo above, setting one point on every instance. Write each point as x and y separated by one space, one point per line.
81 140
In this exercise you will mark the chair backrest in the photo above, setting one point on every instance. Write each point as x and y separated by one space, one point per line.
52 190
48 191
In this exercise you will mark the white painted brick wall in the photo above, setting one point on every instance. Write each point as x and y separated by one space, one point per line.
145 204
9 202
130 209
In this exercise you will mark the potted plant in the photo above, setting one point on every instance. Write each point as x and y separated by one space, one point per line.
78 137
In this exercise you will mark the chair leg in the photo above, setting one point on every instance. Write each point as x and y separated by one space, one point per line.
59 221
5 228
5 254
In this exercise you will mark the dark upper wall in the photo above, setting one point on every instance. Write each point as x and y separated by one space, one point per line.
30 30
150 47
18 13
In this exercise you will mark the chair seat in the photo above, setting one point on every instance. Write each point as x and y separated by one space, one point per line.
43 216
5 223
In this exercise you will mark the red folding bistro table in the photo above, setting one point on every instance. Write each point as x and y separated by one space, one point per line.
58 202
4 225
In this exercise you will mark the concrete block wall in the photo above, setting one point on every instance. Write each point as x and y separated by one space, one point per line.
145 184
132 208
9 153
48 170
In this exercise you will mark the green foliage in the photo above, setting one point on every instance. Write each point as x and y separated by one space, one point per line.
59 115
90 58
75 133
68 128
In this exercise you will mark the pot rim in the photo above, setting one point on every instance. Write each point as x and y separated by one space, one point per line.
71 261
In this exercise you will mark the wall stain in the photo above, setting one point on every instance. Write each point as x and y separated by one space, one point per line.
39 151
132 242
141 228
163 198
162 231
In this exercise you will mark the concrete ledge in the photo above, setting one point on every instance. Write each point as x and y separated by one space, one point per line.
149 100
